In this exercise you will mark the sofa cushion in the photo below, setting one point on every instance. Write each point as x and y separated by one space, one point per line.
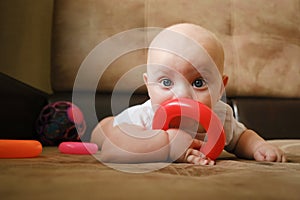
261 46
272 118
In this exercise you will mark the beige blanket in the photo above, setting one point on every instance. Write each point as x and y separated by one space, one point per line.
61 176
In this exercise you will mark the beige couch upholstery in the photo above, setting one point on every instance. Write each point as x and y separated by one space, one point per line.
261 39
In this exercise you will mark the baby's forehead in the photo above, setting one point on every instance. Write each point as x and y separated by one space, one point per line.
189 42
164 63
195 61
184 70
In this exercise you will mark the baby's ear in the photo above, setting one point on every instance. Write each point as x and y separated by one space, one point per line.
145 77
225 80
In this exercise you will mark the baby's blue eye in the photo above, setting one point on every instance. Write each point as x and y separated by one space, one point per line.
166 82
198 83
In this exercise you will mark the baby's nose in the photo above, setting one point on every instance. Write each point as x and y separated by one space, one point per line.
183 92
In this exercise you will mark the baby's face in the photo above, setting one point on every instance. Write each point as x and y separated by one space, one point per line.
169 76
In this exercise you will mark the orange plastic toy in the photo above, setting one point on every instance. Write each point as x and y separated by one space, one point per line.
20 148
199 112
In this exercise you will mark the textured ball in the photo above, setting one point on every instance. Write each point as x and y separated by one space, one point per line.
59 122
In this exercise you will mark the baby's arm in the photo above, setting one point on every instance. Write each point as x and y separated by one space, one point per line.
251 146
130 143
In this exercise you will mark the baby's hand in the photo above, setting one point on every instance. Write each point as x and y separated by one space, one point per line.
196 157
183 148
269 152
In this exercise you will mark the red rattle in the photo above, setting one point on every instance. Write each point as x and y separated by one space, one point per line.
215 143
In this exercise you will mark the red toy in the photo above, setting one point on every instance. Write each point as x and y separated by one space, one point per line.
20 148
199 112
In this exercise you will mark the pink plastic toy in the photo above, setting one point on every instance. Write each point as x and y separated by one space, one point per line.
199 112
20 148
78 148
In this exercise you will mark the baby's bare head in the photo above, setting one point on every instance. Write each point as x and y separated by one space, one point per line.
206 39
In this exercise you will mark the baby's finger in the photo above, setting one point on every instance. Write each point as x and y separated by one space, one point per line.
278 157
282 156
190 152
283 159
211 162
206 161
272 156
199 161
194 159
258 156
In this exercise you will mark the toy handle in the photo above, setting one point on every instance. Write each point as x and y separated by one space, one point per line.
199 112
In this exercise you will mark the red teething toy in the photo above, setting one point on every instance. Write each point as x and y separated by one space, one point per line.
215 143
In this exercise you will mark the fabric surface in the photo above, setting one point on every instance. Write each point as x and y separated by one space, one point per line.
62 176
262 47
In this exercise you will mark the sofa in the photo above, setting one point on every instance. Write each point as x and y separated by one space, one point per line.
262 47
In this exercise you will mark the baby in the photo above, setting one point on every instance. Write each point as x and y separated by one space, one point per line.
184 61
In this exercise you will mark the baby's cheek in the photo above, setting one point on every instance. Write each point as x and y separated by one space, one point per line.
159 96
204 98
